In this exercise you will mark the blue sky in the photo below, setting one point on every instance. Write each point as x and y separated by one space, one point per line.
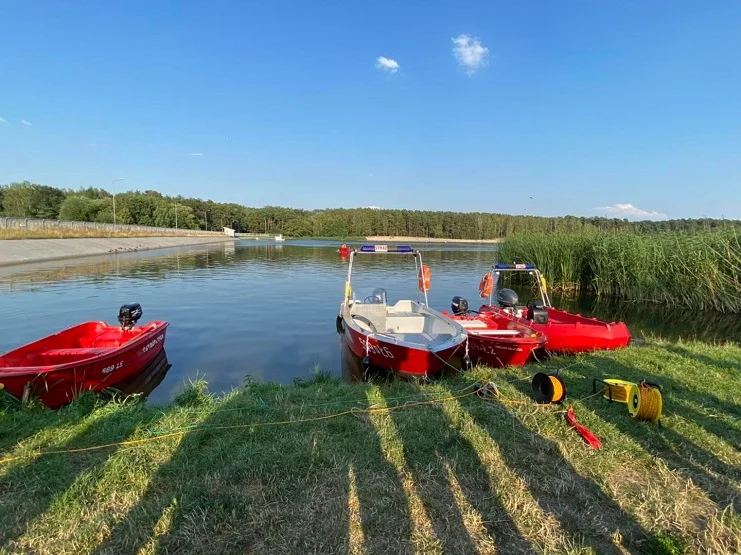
580 105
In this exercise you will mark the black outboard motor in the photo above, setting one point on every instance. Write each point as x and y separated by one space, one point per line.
459 305
537 312
507 298
129 314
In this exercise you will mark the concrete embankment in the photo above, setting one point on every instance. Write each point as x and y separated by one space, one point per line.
18 251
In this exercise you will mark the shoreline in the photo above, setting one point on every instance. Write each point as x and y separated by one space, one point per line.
24 251
408 239
266 453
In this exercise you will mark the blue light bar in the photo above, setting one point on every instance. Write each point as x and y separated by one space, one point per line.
514 266
386 248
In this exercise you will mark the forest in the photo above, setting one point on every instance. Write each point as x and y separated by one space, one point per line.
30 200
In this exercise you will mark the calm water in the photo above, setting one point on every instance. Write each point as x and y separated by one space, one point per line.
265 309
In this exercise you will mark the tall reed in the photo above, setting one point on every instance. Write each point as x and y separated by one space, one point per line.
699 270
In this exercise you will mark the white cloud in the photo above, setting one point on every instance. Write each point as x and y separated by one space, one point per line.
470 53
387 64
631 212
195 154
26 122
3 120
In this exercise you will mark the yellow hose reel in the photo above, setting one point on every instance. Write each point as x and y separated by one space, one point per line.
645 402
644 399
548 388
617 390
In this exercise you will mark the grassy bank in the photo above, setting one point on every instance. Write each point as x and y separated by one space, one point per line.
405 468
441 240
699 270
73 234
348 239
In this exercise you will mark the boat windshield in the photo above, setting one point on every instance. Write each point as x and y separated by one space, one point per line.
524 283
377 297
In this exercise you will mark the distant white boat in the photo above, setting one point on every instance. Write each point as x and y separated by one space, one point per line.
279 238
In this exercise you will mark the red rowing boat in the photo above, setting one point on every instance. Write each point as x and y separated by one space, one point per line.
407 338
566 332
496 339
88 357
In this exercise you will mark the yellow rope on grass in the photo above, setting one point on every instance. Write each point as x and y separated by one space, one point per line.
354 411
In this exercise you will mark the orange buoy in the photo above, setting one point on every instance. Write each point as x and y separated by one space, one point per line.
486 285
424 278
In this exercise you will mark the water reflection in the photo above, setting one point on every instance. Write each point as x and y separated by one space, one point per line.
146 381
653 319
264 309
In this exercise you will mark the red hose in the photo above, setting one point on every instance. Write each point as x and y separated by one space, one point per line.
588 436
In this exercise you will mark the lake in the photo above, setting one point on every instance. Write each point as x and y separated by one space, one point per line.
265 309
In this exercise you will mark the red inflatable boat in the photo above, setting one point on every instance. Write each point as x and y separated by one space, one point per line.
496 339
566 332
90 356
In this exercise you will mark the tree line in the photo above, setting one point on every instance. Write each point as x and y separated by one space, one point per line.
90 204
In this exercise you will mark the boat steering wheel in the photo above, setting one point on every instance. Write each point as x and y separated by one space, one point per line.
361 318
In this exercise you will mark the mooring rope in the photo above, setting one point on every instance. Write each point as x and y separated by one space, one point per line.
181 432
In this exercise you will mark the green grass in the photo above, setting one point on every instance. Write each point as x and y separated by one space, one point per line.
700 270
349 238
63 233
457 475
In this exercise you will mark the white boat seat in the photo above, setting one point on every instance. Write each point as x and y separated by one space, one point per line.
472 323
441 338
405 324
496 332
375 313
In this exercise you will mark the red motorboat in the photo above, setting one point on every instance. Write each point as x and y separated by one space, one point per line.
408 337
496 339
566 332
90 356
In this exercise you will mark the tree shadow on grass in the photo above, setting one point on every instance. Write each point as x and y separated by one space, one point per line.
678 396
704 359
28 490
584 511
717 478
431 447
266 489
20 424
384 509
674 386
721 425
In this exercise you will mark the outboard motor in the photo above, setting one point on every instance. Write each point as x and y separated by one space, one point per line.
507 298
537 312
129 314
459 305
